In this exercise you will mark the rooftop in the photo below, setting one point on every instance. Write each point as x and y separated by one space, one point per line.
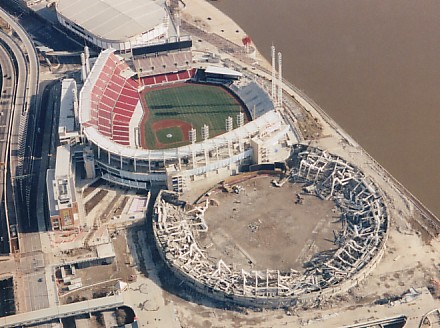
67 106
222 71
114 19
62 166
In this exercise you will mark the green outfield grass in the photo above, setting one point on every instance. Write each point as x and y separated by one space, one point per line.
195 104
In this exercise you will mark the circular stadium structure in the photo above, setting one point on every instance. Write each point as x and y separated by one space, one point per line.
120 25
357 245
157 120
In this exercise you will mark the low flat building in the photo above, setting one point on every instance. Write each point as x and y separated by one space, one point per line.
63 207
68 128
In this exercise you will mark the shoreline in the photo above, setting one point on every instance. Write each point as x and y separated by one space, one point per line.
408 260
413 229
216 21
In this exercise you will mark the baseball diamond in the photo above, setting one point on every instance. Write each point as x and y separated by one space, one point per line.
179 107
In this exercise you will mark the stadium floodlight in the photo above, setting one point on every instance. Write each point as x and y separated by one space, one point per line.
205 132
193 135
240 119
229 124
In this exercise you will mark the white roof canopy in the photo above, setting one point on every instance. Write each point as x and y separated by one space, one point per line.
222 71
115 20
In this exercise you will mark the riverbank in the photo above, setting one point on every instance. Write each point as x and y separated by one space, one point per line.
203 15
412 234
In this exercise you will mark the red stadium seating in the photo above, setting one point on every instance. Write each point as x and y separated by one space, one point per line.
160 79
114 99
172 77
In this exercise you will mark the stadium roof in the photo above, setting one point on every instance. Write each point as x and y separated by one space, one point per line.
115 20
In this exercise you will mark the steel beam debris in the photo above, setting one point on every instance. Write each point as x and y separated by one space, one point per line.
364 224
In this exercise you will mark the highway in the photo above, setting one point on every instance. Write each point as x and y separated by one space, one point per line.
23 126
6 108
17 101
31 279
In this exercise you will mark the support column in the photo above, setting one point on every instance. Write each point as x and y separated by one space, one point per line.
193 156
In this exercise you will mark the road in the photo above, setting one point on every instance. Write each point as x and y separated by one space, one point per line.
31 278
18 101
6 108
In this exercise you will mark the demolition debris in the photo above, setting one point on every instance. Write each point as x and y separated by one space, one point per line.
359 243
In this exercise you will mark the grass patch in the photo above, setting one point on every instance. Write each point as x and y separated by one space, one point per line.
196 104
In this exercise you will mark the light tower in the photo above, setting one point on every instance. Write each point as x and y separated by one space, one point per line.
205 132
240 119
193 135
193 139
280 81
273 74
229 126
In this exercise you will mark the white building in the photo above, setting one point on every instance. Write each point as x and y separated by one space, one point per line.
63 207
115 24
68 129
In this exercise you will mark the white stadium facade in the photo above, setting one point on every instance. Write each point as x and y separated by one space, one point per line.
117 24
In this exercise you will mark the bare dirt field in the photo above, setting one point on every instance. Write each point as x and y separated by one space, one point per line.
103 278
265 227
95 200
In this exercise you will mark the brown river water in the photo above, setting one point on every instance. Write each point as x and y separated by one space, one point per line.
372 65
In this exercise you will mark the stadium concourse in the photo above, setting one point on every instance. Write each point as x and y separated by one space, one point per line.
112 110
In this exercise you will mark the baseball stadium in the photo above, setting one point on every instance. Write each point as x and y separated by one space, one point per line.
182 126
158 120
166 117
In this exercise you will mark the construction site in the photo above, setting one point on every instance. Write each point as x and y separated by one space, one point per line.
282 221
324 248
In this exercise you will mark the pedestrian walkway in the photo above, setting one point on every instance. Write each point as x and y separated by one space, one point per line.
62 311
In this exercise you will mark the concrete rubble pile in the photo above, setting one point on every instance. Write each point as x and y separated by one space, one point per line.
364 216
364 224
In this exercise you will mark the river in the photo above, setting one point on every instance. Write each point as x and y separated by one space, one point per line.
372 65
